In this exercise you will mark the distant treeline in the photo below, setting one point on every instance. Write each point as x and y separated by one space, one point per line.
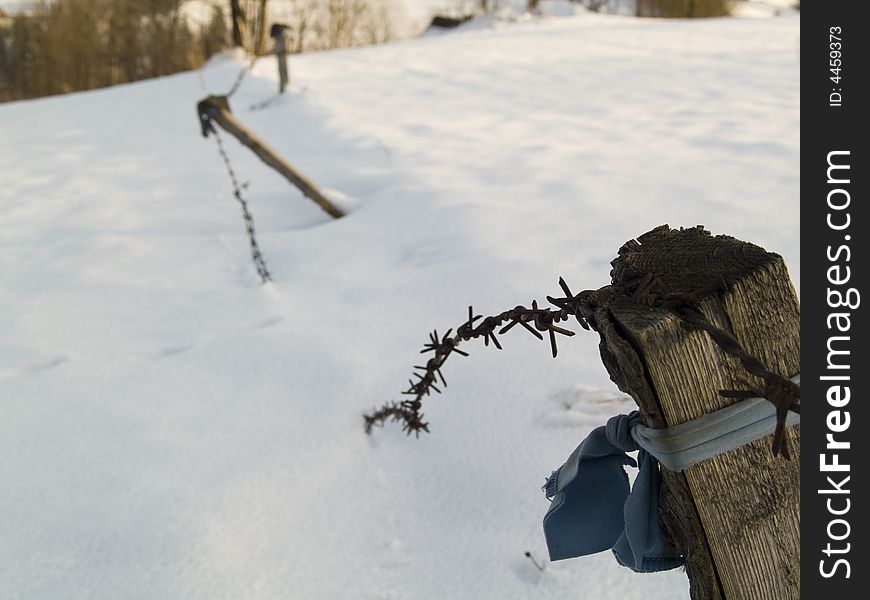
70 45
673 9
684 9
61 47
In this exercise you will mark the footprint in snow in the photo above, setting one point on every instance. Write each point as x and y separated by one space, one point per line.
393 555
429 254
171 351
583 406
387 560
33 368
378 593
270 322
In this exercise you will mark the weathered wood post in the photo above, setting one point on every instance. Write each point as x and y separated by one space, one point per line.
277 34
736 516
216 109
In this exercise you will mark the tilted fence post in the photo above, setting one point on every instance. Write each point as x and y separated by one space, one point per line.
215 109
736 516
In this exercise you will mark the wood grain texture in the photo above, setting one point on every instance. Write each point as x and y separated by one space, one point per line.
682 523
746 500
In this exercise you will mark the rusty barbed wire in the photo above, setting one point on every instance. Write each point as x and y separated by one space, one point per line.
241 76
256 255
780 391
535 320
205 114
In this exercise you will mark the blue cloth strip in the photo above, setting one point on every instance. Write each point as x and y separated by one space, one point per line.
593 509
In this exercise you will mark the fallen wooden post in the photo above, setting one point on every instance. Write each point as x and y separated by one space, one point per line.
215 109
735 517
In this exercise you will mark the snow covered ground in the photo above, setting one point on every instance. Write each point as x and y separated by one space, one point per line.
169 428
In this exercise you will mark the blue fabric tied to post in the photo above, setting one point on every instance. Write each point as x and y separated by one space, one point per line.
593 507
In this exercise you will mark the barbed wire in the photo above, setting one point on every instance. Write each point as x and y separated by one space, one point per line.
535 320
242 73
584 306
237 82
205 118
783 393
256 255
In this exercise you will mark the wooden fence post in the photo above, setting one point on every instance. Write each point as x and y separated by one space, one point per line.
216 109
736 516
277 34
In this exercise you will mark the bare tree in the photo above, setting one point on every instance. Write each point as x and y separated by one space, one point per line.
476 7
343 17
379 26
61 47
261 28
214 35
323 24
238 18
683 8
300 25
488 7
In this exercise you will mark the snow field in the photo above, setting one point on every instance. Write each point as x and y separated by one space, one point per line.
171 429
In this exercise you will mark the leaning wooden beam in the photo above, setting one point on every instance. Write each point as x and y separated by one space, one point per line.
215 109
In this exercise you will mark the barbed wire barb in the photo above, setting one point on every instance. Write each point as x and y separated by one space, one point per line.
585 307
